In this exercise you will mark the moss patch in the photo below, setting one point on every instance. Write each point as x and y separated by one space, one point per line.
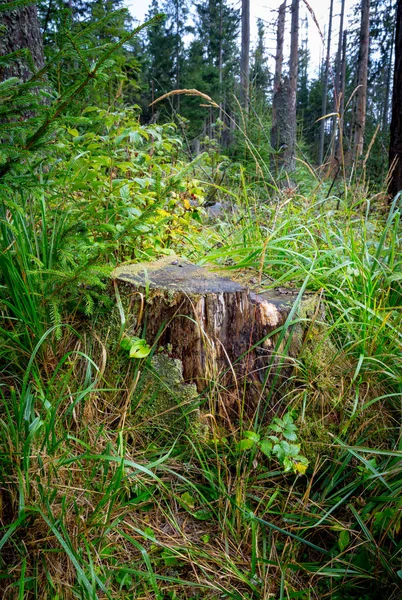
175 274
166 402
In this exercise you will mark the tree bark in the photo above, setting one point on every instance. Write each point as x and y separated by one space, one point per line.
361 94
21 30
283 131
325 87
245 54
280 35
395 146
385 114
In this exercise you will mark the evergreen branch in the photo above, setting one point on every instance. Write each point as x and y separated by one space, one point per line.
64 103
15 5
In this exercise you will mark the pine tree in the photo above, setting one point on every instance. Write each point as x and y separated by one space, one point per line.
160 49
213 64
260 76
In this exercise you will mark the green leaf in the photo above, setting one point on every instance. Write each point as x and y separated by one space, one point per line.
125 344
204 514
188 500
169 559
150 532
266 447
136 347
139 349
287 464
343 540
287 419
251 435
290 435
293 449
245 445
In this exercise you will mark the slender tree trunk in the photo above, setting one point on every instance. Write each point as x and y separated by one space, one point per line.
279 99
361 94
283 132
387 87
220 61
20 29
245 54
325 87
337 78
280 35
342 82
343 74
395 146
178 44
293 65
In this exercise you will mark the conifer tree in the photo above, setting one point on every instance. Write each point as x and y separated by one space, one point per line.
260 76
160 49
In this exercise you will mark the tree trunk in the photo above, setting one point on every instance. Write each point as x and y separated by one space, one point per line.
280 94
361 94
283 131
293 65
178 48
385 114
338 142
220 66
21 30
245 54
280 35
221 332
395 146
325 87
337 79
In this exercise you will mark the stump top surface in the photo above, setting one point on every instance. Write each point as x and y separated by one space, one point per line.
176 274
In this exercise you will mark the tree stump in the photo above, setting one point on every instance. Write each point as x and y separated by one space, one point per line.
224 335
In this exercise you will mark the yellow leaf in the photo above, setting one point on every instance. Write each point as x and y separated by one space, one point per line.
300 468
163 212
187 204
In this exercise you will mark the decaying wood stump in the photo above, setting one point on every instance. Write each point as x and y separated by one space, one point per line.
221 332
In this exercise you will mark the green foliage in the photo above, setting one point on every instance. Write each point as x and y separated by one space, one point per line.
276 443
79 194
136 347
